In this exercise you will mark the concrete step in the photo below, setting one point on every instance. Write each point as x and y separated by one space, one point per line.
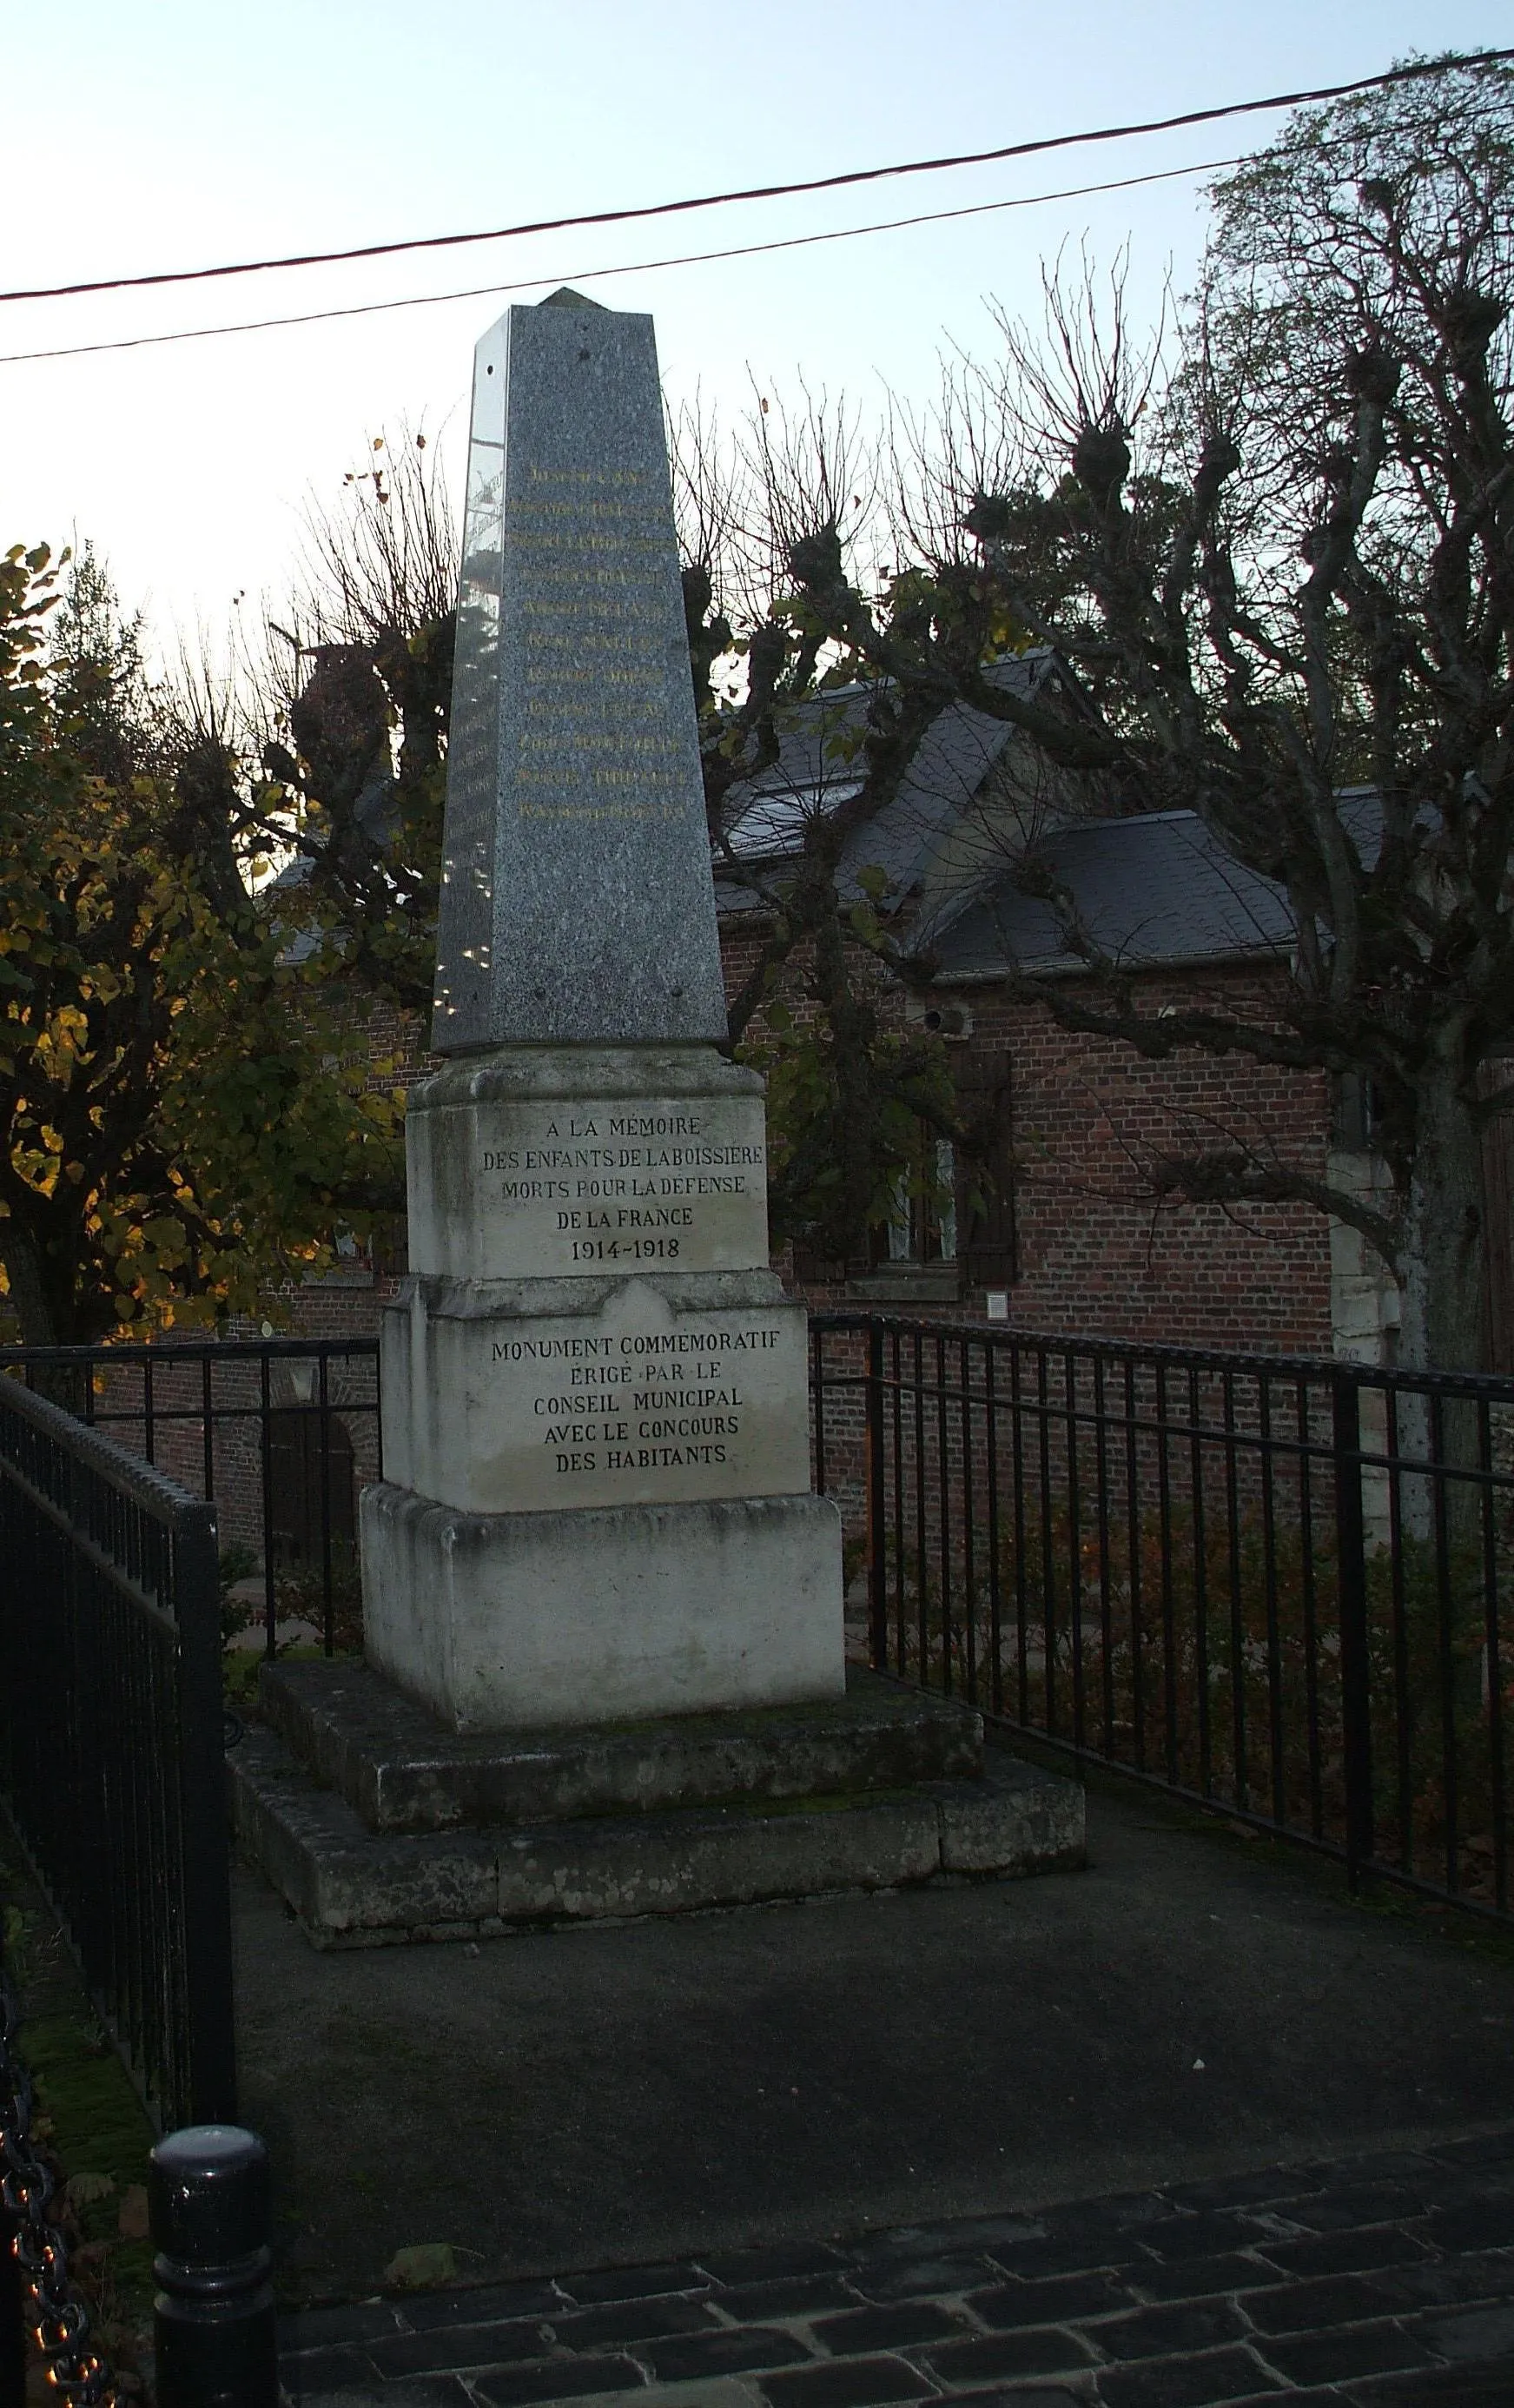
402 1769
354 1887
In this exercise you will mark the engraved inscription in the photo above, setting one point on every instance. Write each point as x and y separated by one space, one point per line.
674 1187
463 957
594 738
643 1401
635 1401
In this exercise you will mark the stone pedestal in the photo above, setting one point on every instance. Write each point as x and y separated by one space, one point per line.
594 1401
531 1619
379 1825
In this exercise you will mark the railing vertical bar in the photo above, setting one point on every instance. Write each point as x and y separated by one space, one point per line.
877 1563
1016 1423
1446 1650
207 1426
1350 1556
212 2095
270 1605
1269 1588
1200 1584
1310 1605
171 1933
1048 1554
817 1390
969 1590
1492 1667
1101 1482
922 1577
1238 1625
147 1757
1164 1435
1047 1547
1403 1703
1132 1540
900 1582
126 1822
991 1427
943 1460
323 1434
1074 1549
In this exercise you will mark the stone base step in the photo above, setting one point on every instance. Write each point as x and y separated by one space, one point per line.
402 1769
354 1887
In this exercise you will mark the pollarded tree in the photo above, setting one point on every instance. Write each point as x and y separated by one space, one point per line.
353 742
850 1090
1280 569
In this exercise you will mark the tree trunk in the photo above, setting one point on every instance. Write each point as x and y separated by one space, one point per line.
36 1308
30 1300
1443 1281
1442 1256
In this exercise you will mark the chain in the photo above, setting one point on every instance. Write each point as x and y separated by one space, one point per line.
56 2314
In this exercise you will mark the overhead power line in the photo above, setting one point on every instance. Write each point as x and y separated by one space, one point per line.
592 275
766 191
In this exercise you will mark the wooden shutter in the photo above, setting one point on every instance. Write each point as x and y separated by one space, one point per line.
1498 1220
812 1270
985 1173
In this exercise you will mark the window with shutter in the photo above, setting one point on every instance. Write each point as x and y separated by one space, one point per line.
985 1172
1498 1220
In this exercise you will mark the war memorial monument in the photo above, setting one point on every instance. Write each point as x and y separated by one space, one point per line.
603 1610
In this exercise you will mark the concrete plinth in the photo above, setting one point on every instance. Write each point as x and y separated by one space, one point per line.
401 1770
532 1619
380 1825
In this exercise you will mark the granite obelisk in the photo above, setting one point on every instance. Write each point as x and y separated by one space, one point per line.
596 1499
594 1540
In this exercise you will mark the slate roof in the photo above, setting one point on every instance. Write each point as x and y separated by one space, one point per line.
1151 889
1156 888
765 816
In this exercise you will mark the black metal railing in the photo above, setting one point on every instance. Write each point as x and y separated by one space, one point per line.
111 1759
1274 1587
279 1432
40 2301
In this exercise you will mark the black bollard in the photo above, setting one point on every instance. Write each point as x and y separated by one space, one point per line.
213 2317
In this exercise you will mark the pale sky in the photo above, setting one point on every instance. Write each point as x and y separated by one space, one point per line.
143 135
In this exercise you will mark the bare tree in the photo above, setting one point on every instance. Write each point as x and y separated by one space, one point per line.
1280 568
355 695
1271 547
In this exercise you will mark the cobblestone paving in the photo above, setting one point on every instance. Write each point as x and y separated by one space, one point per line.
1383 2282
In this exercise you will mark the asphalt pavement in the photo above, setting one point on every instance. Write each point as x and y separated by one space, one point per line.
1193 2006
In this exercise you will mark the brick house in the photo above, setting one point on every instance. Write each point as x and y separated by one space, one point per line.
1079 1238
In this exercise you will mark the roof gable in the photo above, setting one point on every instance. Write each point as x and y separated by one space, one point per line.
819 768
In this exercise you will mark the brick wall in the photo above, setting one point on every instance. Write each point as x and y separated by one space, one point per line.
1098 1253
